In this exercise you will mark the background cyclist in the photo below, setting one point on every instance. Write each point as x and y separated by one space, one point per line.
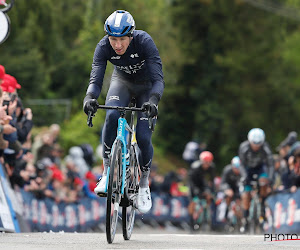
137 73
232 175
257 159
201 180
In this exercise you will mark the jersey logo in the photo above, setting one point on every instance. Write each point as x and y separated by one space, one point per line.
144 118
134 55
115 57
131 69
114 97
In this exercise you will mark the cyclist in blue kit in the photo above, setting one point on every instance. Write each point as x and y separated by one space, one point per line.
137 73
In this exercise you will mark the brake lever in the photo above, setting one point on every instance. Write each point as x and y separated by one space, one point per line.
90 119
152 123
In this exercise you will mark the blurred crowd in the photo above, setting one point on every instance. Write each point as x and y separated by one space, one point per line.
38 164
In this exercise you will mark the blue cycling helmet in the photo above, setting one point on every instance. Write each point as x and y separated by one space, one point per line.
119 23
236 162
256 136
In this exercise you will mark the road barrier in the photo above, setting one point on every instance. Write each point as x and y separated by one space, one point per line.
21 211
283 213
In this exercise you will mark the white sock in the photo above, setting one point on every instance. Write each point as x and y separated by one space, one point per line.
145 172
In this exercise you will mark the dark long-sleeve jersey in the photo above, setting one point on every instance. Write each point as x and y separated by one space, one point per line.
230 179
200 178
254 159
141 62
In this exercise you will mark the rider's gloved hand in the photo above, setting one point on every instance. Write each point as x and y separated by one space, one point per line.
151 107
89 105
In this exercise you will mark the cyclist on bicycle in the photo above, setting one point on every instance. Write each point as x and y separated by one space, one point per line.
232 175
201 180
257 159
137 73
202 174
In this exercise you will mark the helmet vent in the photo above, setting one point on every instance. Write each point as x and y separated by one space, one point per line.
125 29
108 28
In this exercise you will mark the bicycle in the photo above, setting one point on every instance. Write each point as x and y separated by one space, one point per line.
255 217
123 173
200 215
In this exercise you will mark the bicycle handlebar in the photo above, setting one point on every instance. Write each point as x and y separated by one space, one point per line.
121 108
124 109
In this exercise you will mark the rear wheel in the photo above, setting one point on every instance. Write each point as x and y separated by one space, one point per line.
131 190
113 192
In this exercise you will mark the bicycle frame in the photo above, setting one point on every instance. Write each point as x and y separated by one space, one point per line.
122 127
119 192
121 134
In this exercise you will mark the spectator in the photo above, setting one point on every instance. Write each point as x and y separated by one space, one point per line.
5 128
155 179
179 186
280 171
292 178
24 122
76 155
91 181
287 146
54 131
2 73
192 151
46 147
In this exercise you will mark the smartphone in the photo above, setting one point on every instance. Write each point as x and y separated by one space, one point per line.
5 102
13 97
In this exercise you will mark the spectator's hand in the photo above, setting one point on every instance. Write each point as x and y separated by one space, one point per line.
291 162
229 192
8 129
293 189
150 108
90 105
12 107
25 175
48 193
28 113
28 157
3 115
7 119
34 185
3 112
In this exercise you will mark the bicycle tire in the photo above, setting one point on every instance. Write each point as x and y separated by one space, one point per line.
131 191
253 216
113 192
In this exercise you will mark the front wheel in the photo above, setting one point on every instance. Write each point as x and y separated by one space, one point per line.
113 192
131 191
